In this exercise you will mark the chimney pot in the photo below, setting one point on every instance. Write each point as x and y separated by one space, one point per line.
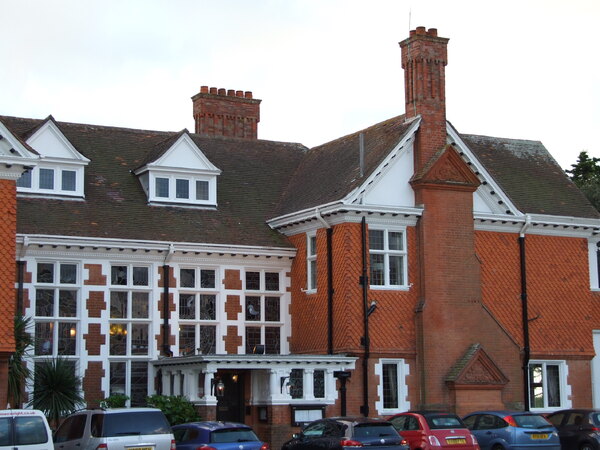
221 91
239 93
421 30
231 92
213 90
248 94
204 89
432 32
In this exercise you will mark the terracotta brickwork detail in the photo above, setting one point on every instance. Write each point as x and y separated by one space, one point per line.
94 339
8 229
232 280
92 382
159 341
172 278
95 276
233 307
95 304
232 340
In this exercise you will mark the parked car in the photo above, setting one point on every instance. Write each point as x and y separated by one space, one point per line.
427 430
111 429
578 429
25 429
508 430
337 433
217 436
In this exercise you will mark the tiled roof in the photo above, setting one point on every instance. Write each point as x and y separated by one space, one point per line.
330 171
529 175
116 205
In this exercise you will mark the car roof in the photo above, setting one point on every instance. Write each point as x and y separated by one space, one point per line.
576 410
503 412
212 425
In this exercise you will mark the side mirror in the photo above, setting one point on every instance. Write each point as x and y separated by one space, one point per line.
297 435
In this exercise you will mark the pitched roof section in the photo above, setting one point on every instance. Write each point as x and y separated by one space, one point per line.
331 171
116 205
528 174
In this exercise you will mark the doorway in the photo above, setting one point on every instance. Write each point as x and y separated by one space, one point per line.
230 405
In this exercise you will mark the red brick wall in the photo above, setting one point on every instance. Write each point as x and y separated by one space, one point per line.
92 381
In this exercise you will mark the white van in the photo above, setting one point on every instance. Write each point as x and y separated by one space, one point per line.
25 429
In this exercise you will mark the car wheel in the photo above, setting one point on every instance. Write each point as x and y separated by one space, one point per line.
497 447
586 446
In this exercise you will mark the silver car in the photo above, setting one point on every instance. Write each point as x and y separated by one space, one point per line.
115 429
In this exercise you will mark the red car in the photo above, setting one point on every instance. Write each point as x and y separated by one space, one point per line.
433 430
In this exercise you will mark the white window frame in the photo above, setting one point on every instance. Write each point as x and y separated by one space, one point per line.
594 265
387 253
192 194
58 168
311 258
565 389
262 293
403 371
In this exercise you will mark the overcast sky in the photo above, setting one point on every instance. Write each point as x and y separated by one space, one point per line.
520 69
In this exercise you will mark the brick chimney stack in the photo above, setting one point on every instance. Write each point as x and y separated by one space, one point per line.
424 57
220 112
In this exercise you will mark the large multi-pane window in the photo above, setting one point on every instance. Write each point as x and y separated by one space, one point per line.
545 384
56 309
387 255
137 372
129 326
263 312
189 189
51 180
311 262
197 311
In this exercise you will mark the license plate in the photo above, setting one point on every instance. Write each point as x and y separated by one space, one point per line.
539 436
456 441
140 448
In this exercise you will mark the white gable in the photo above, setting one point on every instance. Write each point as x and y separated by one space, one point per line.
15 157
49 142
185 154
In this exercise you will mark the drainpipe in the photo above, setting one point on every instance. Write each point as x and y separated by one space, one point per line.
525 313
21 275
364 281
166 270
329 282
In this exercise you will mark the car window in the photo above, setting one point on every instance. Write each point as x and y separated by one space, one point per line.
470 421
576 419
130 423
233 435
71 428
374 430
399 422
412 424
444 421
181 435
334 429
489 422
595 418
314 429
556 419
30 431
531 421
5 434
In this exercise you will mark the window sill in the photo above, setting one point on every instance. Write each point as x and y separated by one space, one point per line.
389 288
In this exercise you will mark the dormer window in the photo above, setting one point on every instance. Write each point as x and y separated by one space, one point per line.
180 175
52 180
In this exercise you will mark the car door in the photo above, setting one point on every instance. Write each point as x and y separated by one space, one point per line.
408 427
70 433
571 431
484 427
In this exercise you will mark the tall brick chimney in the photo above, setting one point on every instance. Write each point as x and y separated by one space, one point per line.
424 57
220 112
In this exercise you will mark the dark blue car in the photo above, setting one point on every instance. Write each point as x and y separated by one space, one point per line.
217 436
511 430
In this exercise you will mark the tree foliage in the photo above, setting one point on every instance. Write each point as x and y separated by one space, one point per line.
176 408
18 372
585 173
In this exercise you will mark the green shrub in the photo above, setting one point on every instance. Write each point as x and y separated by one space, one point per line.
114 401
177 408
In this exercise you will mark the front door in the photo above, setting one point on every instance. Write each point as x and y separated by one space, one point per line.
230 405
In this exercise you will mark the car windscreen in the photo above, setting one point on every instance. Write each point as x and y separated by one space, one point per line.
27 431
367 430
531 421
229 435
129 423
444 421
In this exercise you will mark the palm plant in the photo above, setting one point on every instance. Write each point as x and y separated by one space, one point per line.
56 389
18 372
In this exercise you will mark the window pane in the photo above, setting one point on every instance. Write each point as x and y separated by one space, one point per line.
253 281
207 279
139 305
67 338
139 339
201 190
297 383
187 306
553 384
68 180
162 187
208 307
45 273
118 275
46 179
44 302
68 273
390 386
118 339
67 303
312 247
25 180
118 305
272 340
319 383
208 340
396 270
377 270
272 281
313 275
139 383
395 241
182 188
43 338
187 278
252 339
376 239
536 390
187 339
253 308
117 377
272 309
140 276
